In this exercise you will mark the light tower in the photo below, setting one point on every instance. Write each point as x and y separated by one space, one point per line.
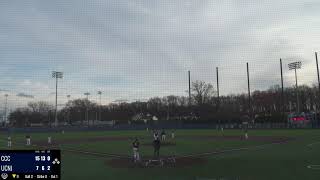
57 75
294 66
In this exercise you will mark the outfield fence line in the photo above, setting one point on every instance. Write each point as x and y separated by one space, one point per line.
157 126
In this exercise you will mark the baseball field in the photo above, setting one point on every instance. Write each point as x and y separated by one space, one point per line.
198 154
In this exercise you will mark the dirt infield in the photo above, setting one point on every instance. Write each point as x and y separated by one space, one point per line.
179 163
163 144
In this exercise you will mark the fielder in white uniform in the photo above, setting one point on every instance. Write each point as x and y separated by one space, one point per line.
28 139
9 142
163 135
49 140
172 134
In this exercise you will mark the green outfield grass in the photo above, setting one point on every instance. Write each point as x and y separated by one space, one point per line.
274 162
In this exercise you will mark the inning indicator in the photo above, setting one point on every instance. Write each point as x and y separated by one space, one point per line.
30 164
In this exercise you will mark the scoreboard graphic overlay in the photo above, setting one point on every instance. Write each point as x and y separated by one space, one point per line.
30 164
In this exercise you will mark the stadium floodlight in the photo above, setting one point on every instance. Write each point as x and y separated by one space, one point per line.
100 93
68 98
57 75
294 66
87 94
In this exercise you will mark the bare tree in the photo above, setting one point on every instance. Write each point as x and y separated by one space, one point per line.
40 107
202 92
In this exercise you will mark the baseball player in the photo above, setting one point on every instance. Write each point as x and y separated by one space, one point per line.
155 135
163 135
246 125
28 139
172 134
135 147
246 132
156 146
9 142
49 140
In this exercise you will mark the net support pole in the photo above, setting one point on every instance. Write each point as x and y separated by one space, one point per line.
218 90
189 79
249 94
282 91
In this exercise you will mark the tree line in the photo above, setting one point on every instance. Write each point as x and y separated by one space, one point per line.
203 106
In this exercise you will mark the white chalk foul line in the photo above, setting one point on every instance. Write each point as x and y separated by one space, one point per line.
229 150
310 145
177 157
98 154
313 167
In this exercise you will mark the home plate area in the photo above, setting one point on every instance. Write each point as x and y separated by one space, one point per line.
171 161
162 162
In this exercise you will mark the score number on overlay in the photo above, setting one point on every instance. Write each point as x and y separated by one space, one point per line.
30 164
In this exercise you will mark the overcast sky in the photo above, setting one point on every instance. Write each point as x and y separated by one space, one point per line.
140 49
